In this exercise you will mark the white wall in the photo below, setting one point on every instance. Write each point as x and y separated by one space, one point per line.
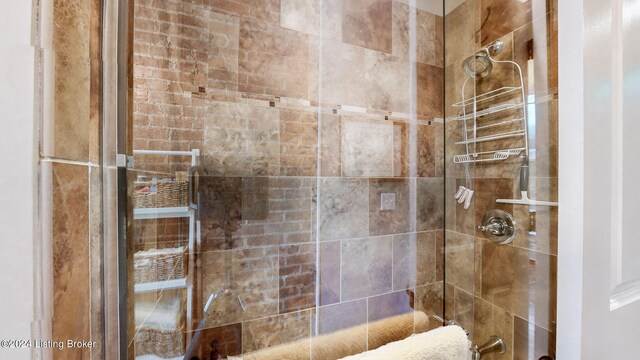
17 170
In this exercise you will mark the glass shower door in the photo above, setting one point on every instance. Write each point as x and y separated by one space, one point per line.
286 181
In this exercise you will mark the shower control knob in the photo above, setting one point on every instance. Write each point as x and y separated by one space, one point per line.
499 226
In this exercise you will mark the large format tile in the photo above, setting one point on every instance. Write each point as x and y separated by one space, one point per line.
389 206
330 145
537 44
531 341
276 330
268 51
388 305
366 267
240 277
367 147
388 82
241 140
491 320
347 318
430 300
460 29
344 208
72 81
367 23
342 80
501 17
426 151
430 90
70 236
460 257
300 15
429 204
520 281
414 260
329 272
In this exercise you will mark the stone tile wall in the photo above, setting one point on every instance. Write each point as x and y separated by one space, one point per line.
321 200
512 287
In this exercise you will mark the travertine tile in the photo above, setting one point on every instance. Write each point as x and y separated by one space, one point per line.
464 309
276 330
331 145
426 38
249 275
459 268
342 79
538 40
400 30
300 15
344 208
502 17
70 233
394 196
429 204
350 317
241 140
388 82
430 87
491 320
367 23
520 281
266 52
426 143
527 337
72 80
341 316
414 260
501 75
367 147
387 305
329 272
460 29
430 300
366 267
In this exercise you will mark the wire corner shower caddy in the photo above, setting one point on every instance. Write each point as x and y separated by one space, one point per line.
478 111
481 114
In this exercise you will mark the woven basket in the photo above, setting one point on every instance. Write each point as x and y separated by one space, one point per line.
162 342
169 194
159 265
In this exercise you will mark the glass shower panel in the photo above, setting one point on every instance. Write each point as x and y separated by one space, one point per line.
286 183
510 289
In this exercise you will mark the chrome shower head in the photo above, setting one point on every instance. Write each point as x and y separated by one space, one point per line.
480 64
477 65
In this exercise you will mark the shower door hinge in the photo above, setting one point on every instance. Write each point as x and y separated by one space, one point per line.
124 161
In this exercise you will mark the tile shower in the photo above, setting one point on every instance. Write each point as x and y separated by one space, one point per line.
326 180
305 124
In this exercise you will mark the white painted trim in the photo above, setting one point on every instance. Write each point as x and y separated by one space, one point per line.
18 179
570 178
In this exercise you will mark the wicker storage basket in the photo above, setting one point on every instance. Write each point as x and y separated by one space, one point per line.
169 194
159 327
159 265
162 342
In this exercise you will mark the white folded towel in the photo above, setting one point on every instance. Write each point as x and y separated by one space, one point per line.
445 343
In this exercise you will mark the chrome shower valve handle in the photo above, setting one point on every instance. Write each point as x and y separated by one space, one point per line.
499 226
